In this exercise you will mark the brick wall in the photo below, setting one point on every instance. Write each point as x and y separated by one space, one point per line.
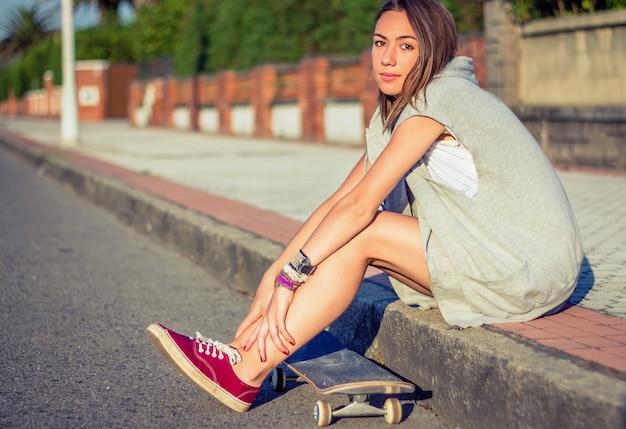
92 86
308 87
103 91
120 77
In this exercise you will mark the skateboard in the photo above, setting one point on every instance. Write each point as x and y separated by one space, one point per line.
330 368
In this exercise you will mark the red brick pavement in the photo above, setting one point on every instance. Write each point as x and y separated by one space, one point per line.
580 332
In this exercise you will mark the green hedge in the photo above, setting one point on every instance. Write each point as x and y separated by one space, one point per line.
239 34
158 29
110 41
191 54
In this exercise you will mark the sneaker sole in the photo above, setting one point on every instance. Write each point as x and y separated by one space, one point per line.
161 340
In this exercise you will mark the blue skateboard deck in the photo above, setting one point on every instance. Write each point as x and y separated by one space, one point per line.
329 368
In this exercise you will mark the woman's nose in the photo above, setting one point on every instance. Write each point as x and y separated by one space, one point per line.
388 58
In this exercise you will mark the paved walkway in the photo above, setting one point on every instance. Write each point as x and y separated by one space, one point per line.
269 187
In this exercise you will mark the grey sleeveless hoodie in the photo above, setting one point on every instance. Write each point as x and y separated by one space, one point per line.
512 252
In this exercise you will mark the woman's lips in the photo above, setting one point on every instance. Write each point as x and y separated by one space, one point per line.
388 77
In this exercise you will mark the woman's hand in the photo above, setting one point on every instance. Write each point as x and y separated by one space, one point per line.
261 300
273 324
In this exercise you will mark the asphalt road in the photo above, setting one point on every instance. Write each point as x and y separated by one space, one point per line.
77 290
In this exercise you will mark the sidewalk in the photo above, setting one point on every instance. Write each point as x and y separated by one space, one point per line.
568 369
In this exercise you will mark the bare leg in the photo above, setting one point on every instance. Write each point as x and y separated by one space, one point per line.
392 242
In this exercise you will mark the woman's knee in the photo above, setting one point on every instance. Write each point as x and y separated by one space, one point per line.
388 227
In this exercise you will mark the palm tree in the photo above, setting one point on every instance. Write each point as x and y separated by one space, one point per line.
26 27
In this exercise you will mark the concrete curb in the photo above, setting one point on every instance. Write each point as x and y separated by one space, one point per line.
481 377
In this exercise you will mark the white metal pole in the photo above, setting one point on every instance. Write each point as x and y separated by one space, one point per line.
69 106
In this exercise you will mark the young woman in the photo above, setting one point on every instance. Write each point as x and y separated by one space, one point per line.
453 199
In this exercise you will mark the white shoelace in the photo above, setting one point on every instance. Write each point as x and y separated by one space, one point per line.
217 349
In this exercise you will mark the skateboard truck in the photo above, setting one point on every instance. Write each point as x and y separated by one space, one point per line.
359 405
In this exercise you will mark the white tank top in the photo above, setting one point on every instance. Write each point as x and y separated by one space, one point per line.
451 164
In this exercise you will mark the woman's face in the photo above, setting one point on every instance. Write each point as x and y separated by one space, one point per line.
394 52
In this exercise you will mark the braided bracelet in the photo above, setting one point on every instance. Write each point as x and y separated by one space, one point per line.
283 281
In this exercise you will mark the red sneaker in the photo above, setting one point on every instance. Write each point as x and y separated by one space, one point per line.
207 363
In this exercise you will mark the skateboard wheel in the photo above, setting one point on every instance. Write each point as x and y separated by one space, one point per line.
393 410
323 413
279 379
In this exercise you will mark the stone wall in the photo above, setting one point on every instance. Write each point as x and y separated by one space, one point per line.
566 80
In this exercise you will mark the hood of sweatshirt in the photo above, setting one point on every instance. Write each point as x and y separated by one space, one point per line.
459 67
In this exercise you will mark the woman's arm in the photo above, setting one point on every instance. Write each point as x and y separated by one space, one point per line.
266 285
305 231
356 209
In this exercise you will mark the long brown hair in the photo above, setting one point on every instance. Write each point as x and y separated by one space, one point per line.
437 40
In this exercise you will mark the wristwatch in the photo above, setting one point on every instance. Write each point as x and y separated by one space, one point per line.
302 264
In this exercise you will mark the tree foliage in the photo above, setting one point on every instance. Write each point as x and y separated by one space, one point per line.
109 41
468 14
527 10
157 29
192 53
26 27
27 73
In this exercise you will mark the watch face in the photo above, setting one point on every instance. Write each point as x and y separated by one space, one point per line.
307 269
